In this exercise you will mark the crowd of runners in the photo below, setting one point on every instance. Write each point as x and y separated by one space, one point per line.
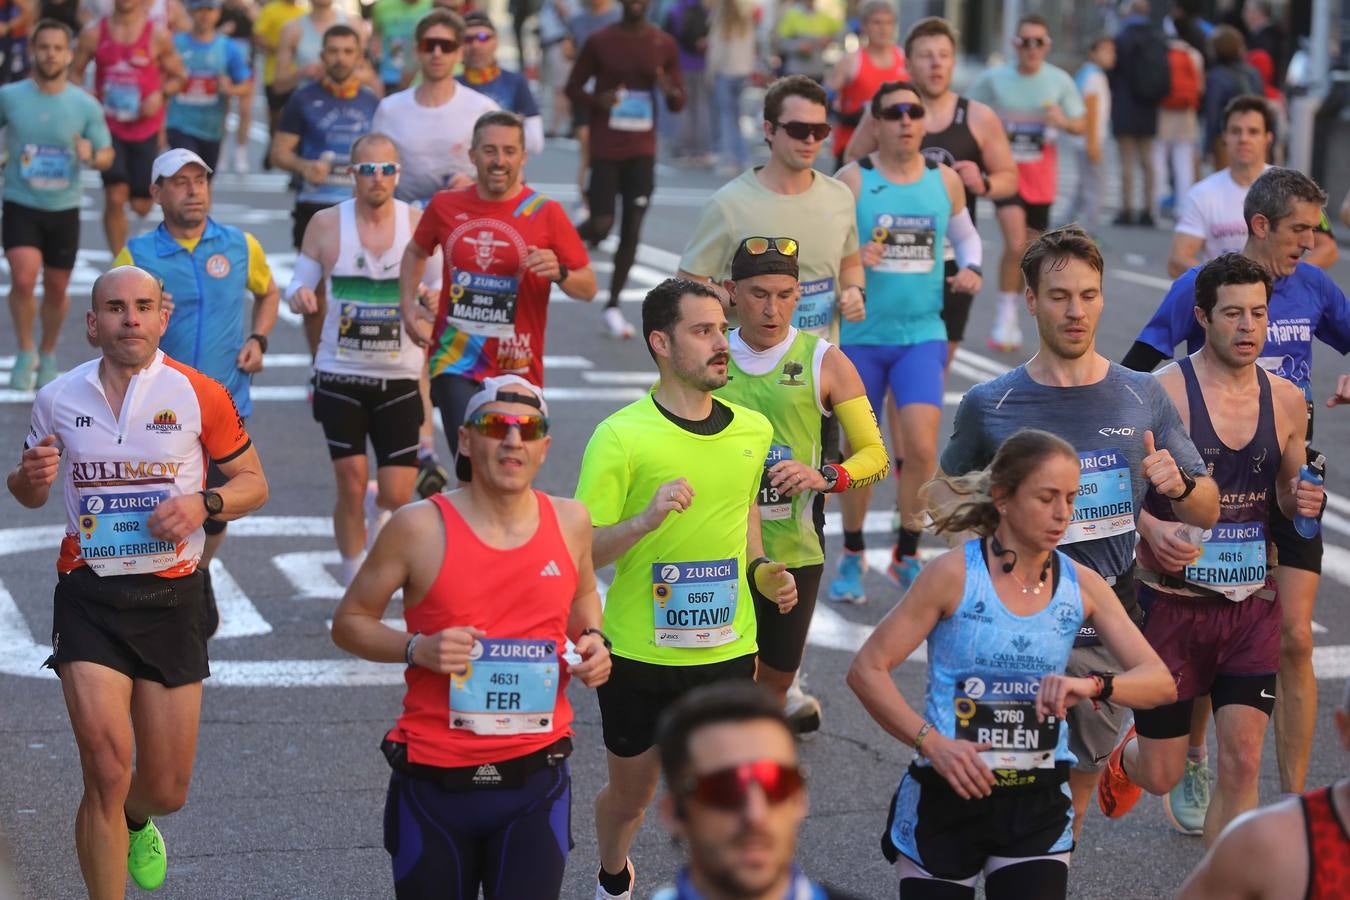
1134 556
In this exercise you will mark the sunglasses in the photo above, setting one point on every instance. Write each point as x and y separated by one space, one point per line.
388 169
758 246
728 789
479 37
896 111
800 131
431 45
1034 43
498 425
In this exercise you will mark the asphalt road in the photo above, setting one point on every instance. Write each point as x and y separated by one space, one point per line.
289 783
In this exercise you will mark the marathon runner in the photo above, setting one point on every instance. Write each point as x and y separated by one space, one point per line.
432 124
1213 609
797 199
1281 212
715 742
1108 414
1036 101
629 62
510 90
129 623
16 17
204 269
907 206
216 71
1296 849
771 361
986 793
272 19
858 74
392 25
367 368
300 47
41 217
680 608
504 246
496 578
592 16
136 70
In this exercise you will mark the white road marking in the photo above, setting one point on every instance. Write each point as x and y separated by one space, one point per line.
238 616
642 378
1153 281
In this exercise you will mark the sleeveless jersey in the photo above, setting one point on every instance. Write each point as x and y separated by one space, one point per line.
953 144
1328 846
904 290
1234 561
511 700
362 332
124 75
783 383
310 44
856 94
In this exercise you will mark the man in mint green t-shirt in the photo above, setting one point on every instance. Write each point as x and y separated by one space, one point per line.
394 22
54 128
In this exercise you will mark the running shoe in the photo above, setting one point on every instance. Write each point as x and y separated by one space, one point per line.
1116 793
241 166
47 370
616 324
903 571
22 376
431 477
602 894
1187 803
147 860
847 586
802 709
1006 336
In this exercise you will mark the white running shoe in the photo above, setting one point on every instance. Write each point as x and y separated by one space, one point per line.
1006 336
375 515
241 166
617 325
802 709
602 894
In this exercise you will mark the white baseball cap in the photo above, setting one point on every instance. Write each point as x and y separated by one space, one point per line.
169 162
499 389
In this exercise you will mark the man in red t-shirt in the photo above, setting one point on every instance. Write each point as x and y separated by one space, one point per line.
505 246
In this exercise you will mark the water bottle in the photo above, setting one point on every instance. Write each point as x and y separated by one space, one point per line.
1191 534
1315 472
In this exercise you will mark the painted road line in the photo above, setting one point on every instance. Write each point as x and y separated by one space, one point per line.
238 616
307 571
1153 281
639 378
971 358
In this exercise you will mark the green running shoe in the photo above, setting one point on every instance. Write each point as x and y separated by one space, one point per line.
147 860
24 373
1187 803
47 370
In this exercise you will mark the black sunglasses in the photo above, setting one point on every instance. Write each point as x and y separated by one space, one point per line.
894 112
800 131
429 45
1034 43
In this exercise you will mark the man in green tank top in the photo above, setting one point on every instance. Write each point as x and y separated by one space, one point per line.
799 381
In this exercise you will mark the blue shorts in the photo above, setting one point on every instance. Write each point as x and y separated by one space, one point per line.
913 372
513 842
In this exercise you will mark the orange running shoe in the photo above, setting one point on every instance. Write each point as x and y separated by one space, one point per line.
1116 793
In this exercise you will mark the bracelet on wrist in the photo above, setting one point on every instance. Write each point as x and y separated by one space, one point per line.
408 650
750 571
919 738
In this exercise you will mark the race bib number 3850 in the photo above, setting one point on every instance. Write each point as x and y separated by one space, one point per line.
694 603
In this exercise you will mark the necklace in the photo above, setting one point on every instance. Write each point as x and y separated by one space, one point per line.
1027 589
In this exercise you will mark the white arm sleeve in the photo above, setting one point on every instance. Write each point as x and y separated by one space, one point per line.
534 135
307 273
965 240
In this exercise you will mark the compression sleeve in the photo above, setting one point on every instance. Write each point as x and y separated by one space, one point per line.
306 273
965 240
1143 357
869 463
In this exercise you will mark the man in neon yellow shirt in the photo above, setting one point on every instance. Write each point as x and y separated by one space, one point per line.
803 34
681 610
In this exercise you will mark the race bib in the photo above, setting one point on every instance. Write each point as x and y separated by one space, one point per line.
1232 560
1027 139
122 97
509 687
368 331
115 538
483 305
45 167
773 507
1001 711
815 307
1105 503
693 604
908 243
633 112
200 90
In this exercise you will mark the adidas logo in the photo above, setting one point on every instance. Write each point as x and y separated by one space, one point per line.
550 569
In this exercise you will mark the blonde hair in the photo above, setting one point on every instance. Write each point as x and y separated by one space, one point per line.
732 19
975 509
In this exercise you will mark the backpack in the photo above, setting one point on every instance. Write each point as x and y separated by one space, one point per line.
1184 79
1149 73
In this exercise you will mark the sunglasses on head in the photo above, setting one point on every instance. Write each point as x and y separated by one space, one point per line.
1034 43
894 112
800 131
389 169
498 425
757 246
728 789
430 45
478 37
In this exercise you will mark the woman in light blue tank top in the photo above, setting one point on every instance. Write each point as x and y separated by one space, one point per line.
987 793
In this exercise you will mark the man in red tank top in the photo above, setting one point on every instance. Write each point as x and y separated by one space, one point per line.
496 577
1298 848
857 75
136 70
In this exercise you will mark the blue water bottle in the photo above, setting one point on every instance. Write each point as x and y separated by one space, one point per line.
1315 473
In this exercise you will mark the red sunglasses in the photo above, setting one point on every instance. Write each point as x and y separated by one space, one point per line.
727 789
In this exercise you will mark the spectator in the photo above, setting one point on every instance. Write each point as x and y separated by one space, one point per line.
1137 88
1085 205
1178 124
732 58
1229 76
1264 35
802 35
687 22
1184 22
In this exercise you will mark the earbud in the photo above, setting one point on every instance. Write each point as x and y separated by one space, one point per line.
1007 566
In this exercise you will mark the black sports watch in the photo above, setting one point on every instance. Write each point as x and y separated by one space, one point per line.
215 504
1108 680
603 638
831 475
261 339
563 272
1189 482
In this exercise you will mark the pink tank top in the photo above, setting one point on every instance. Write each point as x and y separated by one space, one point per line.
124 75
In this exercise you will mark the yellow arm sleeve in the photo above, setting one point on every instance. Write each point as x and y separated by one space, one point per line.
123 259
259 273
869 462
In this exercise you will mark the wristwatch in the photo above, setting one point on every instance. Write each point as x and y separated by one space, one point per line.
1108 680
603 638
1189 482
261 339
215 504
563 272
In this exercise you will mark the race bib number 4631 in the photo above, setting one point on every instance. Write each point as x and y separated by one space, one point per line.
509 687
694 603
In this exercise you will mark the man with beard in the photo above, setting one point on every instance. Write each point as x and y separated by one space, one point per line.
681 609
41 220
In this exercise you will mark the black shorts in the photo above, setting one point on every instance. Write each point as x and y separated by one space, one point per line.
209 151
300 217
632 700
276 100
955 307
132 162
451 394
143 626
782 637
1291 548
56 234
1038 214
353 407
632 179
581 116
